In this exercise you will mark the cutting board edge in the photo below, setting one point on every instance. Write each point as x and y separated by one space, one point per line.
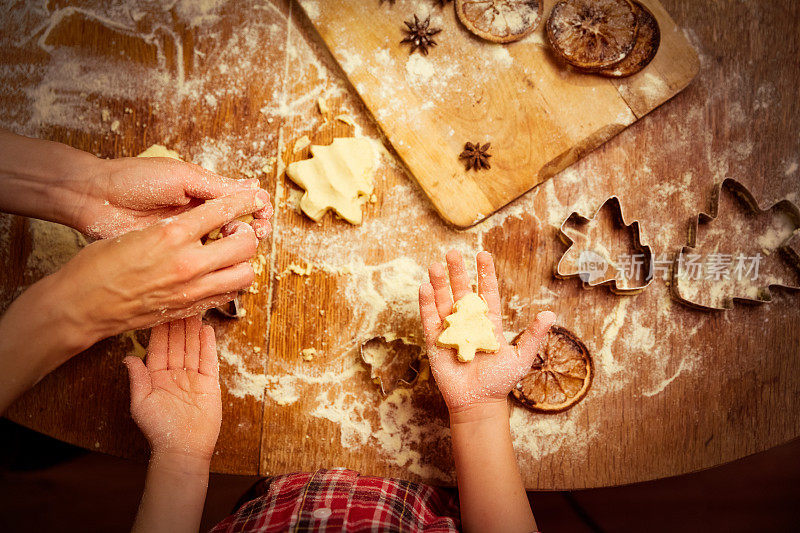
678 90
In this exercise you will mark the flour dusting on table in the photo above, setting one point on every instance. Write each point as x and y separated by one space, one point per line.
70 90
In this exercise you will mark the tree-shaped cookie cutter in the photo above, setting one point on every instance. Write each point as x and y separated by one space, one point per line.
408 380
741 193
646 252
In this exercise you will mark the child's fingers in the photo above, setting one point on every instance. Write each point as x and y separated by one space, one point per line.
209 363
487 286
459 280
139 379
157 349
530 340
431 323
442 361
441 289
176 346
192 357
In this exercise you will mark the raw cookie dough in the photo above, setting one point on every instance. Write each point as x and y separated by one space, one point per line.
159 150
468 328
337 176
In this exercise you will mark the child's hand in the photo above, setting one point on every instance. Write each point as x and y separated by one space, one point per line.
489 377
175 399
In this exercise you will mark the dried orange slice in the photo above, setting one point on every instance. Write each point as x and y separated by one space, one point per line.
560 376
644 50
500 21
592 34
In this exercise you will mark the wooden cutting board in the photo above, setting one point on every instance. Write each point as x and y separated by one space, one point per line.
539 116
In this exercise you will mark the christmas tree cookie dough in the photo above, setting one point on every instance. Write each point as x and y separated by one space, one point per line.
468 328
337 176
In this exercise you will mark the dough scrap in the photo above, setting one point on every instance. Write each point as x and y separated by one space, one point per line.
301 144
337 176
300 270
468 328
159 150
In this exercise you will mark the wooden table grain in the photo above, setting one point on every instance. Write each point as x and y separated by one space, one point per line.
676 389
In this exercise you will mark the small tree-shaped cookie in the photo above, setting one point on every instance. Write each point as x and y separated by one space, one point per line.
468 329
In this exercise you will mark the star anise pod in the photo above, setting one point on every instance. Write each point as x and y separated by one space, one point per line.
420 34
476 156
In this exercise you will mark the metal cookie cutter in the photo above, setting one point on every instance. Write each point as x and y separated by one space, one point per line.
746 199
378 351
591 266
232 309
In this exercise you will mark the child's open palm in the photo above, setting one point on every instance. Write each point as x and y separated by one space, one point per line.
175 396
489 377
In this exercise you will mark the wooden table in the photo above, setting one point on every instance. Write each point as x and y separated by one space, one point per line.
676 389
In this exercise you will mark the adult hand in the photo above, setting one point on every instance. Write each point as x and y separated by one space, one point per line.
138 280
159 273
131 193
489 377
105 198
175 395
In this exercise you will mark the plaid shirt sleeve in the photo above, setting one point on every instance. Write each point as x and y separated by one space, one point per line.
343 500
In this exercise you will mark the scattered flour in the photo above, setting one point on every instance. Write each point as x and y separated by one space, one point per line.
610 331
311 8
70 89
791 169
540 435
419 69
685 365
654 87
502 57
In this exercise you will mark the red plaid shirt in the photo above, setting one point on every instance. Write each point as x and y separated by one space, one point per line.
343 500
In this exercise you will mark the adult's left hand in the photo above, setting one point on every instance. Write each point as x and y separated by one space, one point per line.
105 198
131 193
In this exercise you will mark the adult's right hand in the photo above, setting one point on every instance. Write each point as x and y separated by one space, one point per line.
140 279
160 273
